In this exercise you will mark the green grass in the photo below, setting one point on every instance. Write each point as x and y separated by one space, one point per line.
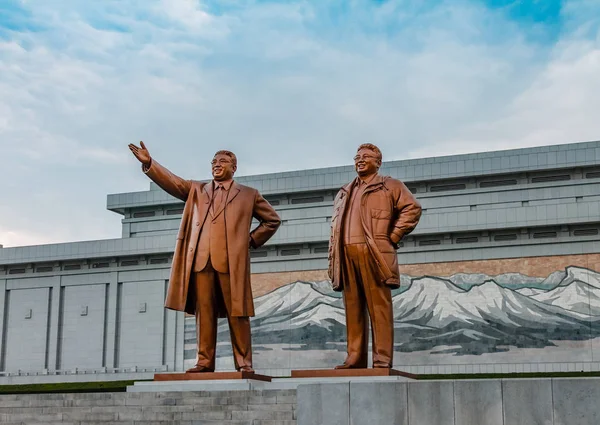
67 387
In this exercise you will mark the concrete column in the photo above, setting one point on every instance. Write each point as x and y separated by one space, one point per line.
53 327
2 313
126 230
110 321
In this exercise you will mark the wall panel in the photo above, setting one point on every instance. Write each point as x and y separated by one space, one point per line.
27 329
82 333
141 324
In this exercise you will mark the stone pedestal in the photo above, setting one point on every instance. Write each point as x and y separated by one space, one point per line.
339 373
205 381
198 385
210 376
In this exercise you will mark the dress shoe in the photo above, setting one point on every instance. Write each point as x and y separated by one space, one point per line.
199 369
246 369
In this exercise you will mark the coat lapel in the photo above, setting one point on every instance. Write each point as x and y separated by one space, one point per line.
208 192
348 186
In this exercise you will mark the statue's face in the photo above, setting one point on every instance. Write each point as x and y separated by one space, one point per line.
222 167
366 162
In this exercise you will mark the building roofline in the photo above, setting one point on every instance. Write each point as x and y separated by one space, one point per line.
410 170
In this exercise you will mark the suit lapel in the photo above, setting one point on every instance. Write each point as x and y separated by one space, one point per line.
207 195
234 189
233 192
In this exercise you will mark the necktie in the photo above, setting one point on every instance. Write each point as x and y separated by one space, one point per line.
218 200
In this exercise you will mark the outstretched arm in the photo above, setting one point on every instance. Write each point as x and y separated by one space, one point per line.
169 182
269 221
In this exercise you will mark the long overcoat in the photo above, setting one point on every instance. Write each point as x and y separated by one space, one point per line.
387 208
243 203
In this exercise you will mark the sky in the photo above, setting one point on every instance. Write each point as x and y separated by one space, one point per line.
286 85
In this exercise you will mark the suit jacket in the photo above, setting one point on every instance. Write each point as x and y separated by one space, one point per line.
243 203
387 208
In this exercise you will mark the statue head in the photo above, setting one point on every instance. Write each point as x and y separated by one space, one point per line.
223 165
367 160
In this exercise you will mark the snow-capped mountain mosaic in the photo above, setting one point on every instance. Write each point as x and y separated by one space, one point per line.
459 315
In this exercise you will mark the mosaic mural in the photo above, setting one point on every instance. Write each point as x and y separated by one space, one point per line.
465 317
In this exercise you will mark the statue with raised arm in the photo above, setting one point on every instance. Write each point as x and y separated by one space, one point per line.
371 215
210 274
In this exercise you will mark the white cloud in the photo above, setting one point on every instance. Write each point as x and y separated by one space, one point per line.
186 11
11 238
560 105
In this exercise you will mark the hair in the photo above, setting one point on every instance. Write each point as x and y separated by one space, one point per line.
230 155
372 147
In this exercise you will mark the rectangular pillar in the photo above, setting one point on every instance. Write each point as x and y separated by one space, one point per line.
3 313
110 321
53 347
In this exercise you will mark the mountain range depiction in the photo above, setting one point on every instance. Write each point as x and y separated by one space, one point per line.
464 318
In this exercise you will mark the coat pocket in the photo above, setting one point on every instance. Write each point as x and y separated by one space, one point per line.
384 244
380 214
391 259
380 222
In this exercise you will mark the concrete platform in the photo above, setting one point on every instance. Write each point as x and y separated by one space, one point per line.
546 401
255 384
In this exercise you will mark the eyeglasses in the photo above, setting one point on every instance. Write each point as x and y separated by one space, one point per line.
364 157
220 161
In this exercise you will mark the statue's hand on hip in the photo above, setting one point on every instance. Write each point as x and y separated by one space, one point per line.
394 239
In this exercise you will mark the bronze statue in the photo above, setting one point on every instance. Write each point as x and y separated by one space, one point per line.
371 214
210 274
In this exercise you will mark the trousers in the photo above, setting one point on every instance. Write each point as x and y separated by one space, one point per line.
213 290
364 294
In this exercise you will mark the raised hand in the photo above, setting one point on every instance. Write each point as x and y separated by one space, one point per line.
141 153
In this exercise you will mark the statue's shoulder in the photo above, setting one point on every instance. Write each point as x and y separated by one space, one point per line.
198 184
246 191
392 183
347 187
245 188
196 188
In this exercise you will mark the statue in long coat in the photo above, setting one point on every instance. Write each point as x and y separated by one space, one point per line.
213 243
